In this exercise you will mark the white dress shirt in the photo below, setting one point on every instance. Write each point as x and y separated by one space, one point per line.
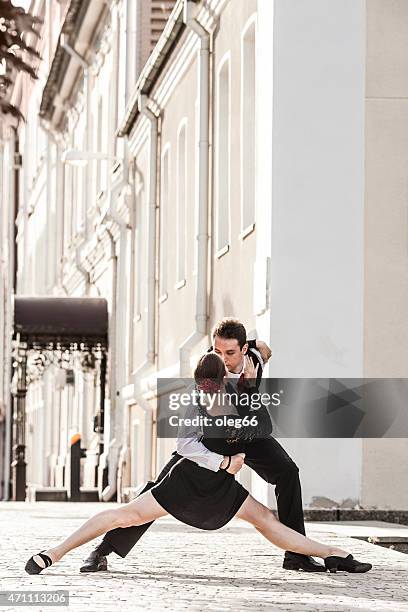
191 447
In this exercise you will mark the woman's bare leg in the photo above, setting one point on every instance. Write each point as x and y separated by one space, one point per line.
141 510
263 519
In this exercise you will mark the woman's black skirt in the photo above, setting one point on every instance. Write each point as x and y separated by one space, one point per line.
200 497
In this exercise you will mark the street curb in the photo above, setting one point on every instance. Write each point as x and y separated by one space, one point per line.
343 514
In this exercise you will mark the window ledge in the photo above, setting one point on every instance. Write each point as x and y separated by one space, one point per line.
180 284
222 251
163 298
247 231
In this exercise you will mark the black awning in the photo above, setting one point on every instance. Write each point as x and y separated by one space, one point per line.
61 319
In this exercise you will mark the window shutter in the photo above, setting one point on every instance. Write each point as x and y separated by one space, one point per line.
159 13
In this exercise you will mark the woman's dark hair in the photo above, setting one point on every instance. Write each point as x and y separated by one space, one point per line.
230 328
210 367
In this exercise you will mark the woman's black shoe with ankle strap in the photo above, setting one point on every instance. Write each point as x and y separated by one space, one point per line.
32 566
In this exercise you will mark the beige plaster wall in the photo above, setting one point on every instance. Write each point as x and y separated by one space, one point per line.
139 315
385 462
232 277
176 314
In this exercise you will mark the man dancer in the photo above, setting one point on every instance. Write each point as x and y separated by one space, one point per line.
265 456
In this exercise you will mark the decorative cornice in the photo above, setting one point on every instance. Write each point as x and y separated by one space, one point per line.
177 68
154 66
72 23
97 51
163 53
137 138
102 48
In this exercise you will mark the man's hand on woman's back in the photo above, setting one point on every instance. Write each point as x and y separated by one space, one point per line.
264 350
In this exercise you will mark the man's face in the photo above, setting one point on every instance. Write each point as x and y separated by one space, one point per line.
229 351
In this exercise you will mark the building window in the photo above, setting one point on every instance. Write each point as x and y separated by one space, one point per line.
140 243
67 206
181 204
248 128
78 183
164 229
99 145
74 201
82 185
222 157
196 180
102 145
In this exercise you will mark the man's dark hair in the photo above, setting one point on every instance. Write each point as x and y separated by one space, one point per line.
230 328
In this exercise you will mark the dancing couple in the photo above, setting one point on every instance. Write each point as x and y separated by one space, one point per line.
198 485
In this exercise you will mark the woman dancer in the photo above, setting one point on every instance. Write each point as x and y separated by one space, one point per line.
200 497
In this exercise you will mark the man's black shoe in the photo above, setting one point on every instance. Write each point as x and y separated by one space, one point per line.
94 563
295 561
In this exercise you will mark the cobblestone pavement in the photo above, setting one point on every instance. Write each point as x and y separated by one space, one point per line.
176 567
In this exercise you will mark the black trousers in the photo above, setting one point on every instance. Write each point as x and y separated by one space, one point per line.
268 459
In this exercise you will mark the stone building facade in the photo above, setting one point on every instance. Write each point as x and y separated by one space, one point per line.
251 164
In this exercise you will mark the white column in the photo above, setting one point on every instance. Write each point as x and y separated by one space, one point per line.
263 191
317 215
